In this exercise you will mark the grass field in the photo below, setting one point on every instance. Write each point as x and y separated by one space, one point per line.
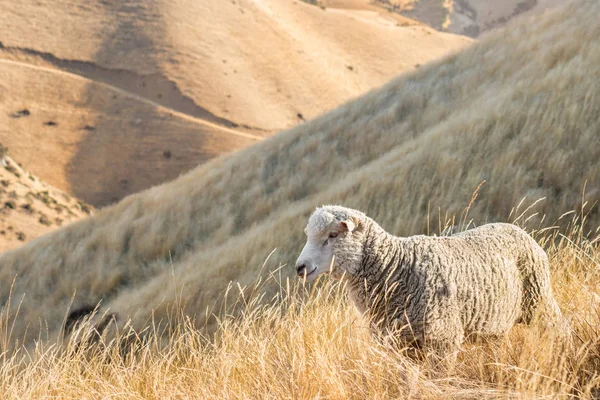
309 342
519 110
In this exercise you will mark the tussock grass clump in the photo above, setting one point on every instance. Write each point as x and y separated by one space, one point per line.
309 342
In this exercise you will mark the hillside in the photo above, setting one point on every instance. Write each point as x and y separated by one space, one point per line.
30 208
98 142
464 17
518 110
126 83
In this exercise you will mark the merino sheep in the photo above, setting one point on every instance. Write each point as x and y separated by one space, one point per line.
433 291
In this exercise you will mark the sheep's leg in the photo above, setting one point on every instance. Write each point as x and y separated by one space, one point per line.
548 312
539 303
441 357
444 338
401 336
550 317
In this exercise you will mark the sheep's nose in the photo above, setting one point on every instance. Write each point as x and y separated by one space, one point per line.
301 269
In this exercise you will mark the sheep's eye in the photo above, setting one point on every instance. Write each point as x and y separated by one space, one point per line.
332 235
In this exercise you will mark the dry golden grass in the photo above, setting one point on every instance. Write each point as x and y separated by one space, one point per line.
519 110
309 342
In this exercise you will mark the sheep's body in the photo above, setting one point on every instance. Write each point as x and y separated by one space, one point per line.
437 291
443 289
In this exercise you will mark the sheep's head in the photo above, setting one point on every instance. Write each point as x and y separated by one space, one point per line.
334 243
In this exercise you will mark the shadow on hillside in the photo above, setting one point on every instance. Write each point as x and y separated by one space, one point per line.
130 144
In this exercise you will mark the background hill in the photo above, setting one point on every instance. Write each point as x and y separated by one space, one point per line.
465 17
138 92
97 142
518 110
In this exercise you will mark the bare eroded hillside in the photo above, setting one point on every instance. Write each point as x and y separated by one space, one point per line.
98 142
30 208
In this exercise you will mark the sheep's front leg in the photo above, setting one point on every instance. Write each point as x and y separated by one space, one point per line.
443 340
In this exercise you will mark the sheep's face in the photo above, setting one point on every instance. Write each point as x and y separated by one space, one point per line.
333 243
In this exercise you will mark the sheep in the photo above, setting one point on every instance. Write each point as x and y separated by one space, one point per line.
432 291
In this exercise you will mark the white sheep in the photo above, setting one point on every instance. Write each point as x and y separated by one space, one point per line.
433 291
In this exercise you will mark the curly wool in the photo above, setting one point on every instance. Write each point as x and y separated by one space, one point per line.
443 289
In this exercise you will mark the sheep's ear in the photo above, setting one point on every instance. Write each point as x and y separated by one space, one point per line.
349 225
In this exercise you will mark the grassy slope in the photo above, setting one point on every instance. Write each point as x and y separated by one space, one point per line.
518 109
315 345
136 71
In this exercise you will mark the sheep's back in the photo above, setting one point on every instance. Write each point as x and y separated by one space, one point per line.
483 274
